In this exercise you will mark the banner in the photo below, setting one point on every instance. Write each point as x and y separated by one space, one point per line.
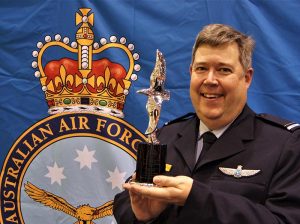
69 71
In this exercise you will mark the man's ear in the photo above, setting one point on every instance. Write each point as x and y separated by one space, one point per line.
249 76
190 69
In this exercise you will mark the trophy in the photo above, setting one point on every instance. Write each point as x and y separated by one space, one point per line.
151 155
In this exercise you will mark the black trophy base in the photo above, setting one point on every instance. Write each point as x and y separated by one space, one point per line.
151 161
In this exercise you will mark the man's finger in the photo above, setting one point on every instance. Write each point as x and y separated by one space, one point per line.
165 181
159 193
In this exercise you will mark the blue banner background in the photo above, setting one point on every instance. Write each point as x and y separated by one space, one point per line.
170 26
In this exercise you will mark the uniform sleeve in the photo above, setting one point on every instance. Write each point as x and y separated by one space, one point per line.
282 204
123 213
122 208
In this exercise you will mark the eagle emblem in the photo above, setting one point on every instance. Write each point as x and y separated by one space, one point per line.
84 213
238 172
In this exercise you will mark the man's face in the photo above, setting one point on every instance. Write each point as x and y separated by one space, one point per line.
219 85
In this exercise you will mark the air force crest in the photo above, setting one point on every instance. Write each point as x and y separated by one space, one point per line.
67 167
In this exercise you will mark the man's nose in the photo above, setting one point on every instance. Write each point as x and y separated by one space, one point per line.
211 77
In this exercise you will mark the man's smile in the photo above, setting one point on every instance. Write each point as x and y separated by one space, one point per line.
211 95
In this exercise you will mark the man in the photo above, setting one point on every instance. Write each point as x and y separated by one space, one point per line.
250 173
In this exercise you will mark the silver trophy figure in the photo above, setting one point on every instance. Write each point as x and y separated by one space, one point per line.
151 155
156 95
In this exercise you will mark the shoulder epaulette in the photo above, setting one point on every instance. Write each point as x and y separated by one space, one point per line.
288 125
182 118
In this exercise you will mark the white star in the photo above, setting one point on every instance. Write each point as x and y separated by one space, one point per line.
55 173
85 158
116 178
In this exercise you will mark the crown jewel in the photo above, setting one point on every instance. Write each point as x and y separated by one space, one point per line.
84 83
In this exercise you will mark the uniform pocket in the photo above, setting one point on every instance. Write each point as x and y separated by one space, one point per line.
248 187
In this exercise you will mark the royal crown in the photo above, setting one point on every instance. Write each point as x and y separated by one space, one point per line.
98 85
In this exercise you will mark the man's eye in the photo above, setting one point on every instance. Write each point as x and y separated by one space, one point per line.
200 68
225 70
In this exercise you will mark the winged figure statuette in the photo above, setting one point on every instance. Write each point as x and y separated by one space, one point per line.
156 95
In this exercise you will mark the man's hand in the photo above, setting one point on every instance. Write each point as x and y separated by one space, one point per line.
148 202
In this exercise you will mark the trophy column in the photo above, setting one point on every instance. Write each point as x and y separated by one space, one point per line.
150 162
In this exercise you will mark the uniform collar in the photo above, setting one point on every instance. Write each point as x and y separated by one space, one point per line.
203 128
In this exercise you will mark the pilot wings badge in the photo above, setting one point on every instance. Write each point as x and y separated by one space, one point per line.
238 172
